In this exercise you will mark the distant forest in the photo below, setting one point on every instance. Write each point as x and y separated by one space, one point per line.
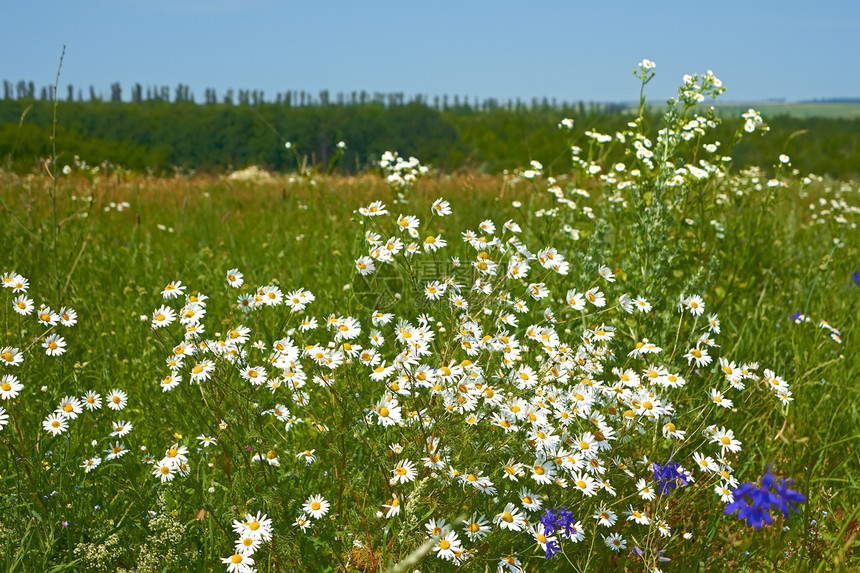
161 128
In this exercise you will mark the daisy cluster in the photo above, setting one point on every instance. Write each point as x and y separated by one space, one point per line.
52 343
539 373
568 402
70 407
541 404
401 174
252 532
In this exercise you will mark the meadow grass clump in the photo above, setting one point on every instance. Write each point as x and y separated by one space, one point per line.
588 370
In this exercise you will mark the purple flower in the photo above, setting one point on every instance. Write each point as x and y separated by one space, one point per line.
558 519
788 497
856 278
795 316
64 523
553 520
669 476
552 548
753 503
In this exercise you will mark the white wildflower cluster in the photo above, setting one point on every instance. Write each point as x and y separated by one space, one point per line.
401 174
50 341
753 121
174 462
252 532
114 206
517 377
696 88
534 170
251 174
645 70
70 407
570 404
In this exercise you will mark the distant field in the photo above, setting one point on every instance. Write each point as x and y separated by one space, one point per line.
800 110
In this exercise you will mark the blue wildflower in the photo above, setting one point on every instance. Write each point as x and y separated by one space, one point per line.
669 476
555 519
552 548
856 278
788 497
796 317
753 503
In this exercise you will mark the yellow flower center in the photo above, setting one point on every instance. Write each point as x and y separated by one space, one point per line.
315 506
68 408
507 517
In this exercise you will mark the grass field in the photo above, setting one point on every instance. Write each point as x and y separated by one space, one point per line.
796 109
774 109
579 380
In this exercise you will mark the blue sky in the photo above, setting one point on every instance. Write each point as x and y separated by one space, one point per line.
568 50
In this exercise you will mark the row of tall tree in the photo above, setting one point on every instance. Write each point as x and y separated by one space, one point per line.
159 135
139 93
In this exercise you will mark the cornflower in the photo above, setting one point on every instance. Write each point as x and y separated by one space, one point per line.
669 476
555 519
756 511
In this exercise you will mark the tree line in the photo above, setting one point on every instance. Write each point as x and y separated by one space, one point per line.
24 90
163 128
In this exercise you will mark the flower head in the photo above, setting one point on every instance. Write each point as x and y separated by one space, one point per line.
753 503
669 476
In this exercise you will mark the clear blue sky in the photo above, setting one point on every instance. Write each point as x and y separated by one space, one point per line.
793 49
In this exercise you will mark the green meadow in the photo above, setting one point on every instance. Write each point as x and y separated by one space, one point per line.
408 370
